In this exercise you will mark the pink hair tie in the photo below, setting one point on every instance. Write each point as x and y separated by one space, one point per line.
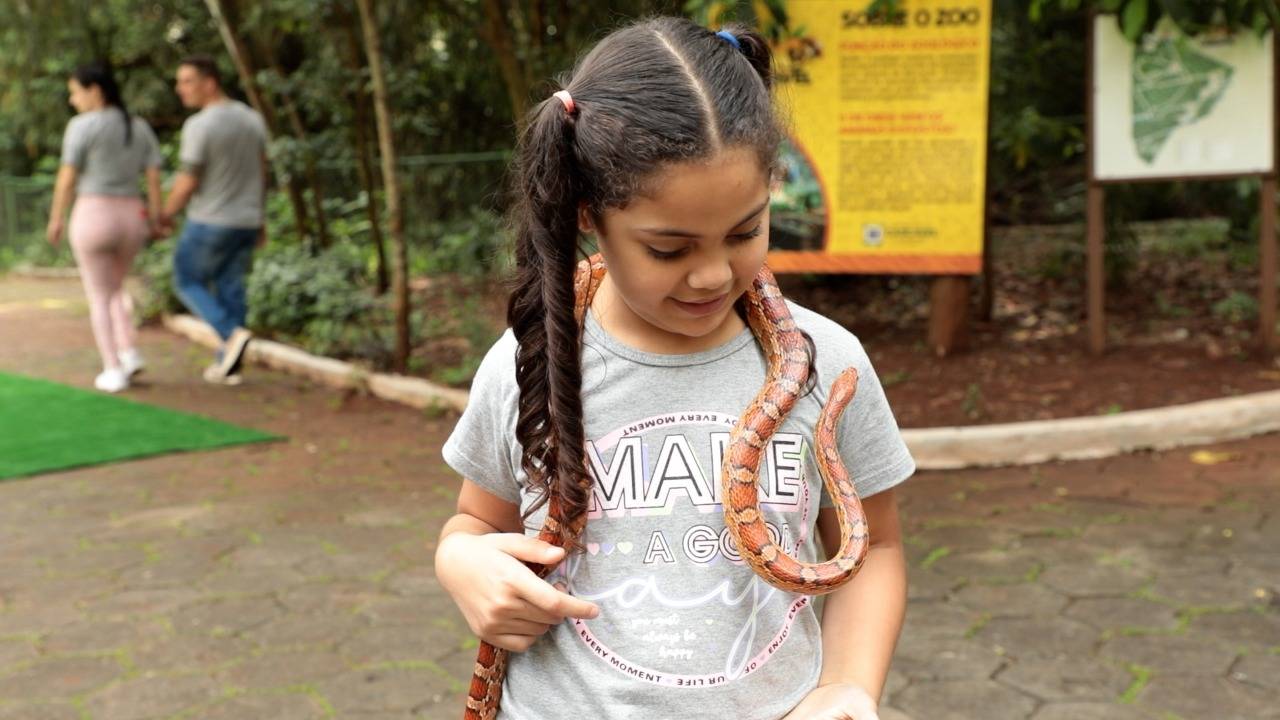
566 99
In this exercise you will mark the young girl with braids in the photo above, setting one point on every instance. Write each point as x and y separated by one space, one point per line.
661 146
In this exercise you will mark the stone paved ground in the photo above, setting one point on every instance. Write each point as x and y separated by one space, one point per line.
293 580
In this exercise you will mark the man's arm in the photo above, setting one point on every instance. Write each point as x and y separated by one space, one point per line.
184 186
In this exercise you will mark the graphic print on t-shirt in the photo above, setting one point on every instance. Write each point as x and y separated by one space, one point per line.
679 607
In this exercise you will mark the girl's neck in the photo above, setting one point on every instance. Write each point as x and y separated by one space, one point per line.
616 318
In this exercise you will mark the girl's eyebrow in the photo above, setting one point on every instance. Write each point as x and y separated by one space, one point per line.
676 232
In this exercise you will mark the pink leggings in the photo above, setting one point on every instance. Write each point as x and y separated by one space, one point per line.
106 234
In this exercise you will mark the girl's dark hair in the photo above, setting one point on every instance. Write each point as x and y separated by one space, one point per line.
99 73
656 92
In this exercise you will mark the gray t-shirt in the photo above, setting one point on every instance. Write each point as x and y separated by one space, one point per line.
224 145
686 629
94 144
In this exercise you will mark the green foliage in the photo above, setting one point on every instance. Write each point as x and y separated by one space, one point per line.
293 293
1237 307
1193 17
475 245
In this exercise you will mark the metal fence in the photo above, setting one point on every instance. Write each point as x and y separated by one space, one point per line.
435 189
24 212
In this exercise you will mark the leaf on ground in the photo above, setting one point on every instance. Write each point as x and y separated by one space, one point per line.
1212 457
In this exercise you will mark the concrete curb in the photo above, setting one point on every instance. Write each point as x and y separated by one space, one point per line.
942 448
1082 438
44 273
411 391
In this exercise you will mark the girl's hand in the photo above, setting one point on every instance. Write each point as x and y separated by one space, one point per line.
837 701
504 602
53 233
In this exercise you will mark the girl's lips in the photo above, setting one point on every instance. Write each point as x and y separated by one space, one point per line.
701 308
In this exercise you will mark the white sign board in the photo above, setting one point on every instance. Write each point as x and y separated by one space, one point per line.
1173 106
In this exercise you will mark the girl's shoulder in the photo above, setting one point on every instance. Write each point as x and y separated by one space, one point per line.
829 337
497 371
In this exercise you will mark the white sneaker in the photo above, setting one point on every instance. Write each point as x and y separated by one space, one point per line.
131 362
111 380
233 351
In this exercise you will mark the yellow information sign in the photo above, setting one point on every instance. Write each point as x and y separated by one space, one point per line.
886 168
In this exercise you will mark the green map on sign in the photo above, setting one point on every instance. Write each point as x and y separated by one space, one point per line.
1173 86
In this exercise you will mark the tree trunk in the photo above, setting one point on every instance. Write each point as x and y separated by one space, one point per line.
261 103
497 33
309 162
395 215
350 40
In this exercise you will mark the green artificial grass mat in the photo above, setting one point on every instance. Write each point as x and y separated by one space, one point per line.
45 426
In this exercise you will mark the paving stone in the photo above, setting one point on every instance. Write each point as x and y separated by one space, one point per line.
56 678
95 636
990 566
296 630
929 584
25 617
1087 711
1170 654
1027 638
142 601
266 706
189 653
39 711
931 658
283 669
1202 696
1139 529
1096 579
1071 678
14 651
152 696
1117 614
941 619
1259 668
402 643
350 566
335 597
1242 629
964 700
383 690
1027 599
230 616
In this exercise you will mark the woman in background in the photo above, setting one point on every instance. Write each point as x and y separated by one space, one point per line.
104 153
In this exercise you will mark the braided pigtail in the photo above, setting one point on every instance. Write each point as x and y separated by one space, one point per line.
549 423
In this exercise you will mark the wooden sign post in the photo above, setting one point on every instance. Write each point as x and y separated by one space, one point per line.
1170 109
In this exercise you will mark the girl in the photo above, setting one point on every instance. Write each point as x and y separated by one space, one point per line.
662 147
104 152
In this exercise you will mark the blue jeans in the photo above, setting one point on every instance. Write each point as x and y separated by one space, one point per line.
209 267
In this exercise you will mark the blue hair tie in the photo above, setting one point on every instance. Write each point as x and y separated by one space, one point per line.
730 38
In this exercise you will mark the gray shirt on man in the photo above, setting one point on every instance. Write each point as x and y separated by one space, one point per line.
686 629
94 144
224 145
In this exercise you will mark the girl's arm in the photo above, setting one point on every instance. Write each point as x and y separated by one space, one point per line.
63 189
480 562
861 621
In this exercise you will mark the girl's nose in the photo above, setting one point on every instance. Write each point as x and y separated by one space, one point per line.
715 274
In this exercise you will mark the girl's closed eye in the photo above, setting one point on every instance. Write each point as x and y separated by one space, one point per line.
734 239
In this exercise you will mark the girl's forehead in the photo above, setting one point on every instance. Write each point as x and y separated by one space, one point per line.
701 191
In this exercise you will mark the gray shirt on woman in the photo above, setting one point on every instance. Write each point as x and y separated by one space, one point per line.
94 144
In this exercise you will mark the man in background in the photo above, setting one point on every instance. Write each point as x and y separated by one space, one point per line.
222 184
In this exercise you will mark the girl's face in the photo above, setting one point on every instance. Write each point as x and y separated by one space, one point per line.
680 256
82 98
